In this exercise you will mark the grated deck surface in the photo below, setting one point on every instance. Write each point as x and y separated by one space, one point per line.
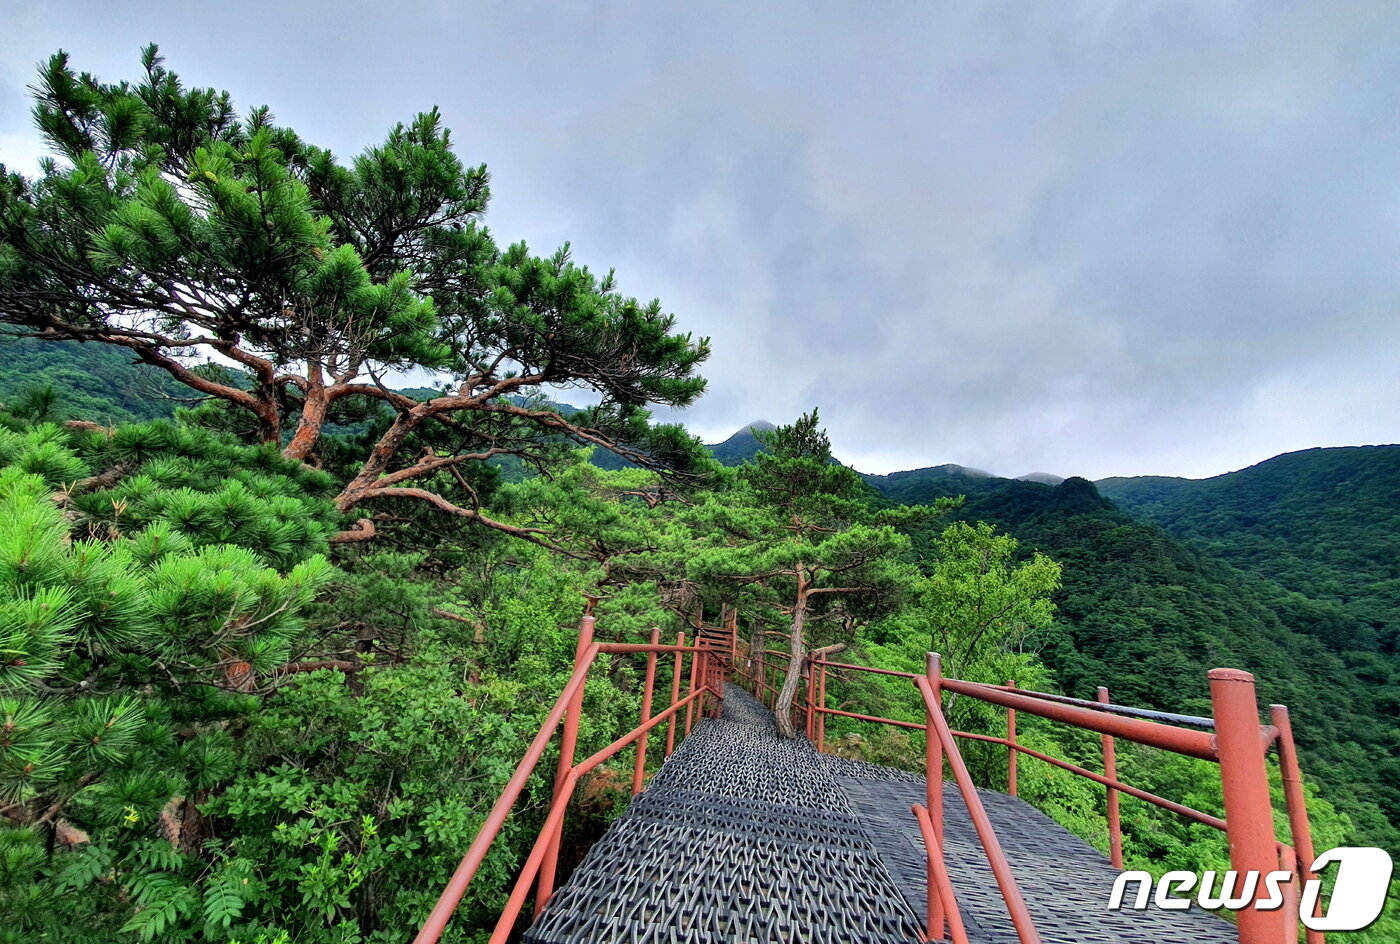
741 836
744 837
1066 882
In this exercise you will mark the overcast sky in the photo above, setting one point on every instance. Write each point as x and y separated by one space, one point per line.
1093 238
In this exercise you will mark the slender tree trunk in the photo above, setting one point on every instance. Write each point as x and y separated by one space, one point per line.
313 417
797 664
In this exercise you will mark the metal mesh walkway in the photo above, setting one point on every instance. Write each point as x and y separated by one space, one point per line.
1065 881
741 836
745 837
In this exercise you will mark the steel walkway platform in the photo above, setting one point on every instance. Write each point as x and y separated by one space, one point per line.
745 837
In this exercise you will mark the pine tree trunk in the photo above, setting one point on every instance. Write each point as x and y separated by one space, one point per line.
797 664
313 418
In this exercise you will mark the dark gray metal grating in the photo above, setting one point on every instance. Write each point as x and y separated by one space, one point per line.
741 836
1065 881
744 837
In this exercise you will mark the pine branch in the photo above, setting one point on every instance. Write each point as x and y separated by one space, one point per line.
533 535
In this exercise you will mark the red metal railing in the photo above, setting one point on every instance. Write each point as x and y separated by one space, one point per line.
706 667
1238 744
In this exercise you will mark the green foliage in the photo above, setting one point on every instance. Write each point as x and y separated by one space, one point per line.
976 602
54 381
127 642
358 805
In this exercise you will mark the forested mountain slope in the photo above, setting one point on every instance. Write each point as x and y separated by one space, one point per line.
1323 522
1147 614
93 382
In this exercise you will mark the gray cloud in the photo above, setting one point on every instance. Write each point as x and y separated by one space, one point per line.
1087 238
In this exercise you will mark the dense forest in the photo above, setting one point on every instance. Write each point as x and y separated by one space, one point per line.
1321 522
1146 613
275 630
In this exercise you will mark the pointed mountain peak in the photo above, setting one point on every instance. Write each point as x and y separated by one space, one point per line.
742 445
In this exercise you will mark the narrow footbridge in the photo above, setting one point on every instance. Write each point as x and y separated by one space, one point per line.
745 836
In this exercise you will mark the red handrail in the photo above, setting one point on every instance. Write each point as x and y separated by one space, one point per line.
541 862
1179 740
1237 742
991 846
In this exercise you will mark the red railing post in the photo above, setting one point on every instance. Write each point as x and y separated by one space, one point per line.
760 675
707 682
715 682
1300 831
760 671
1011 752
707 705
821 705
940 886
1110 770
568 740
1249 815
933 782
676 673
639 769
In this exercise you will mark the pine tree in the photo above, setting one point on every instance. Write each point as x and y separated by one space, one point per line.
136 623
172 228
798 530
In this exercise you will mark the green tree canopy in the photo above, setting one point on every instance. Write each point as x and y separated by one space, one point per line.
978 602
797 533
170 227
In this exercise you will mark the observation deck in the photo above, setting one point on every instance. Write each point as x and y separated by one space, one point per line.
745 837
